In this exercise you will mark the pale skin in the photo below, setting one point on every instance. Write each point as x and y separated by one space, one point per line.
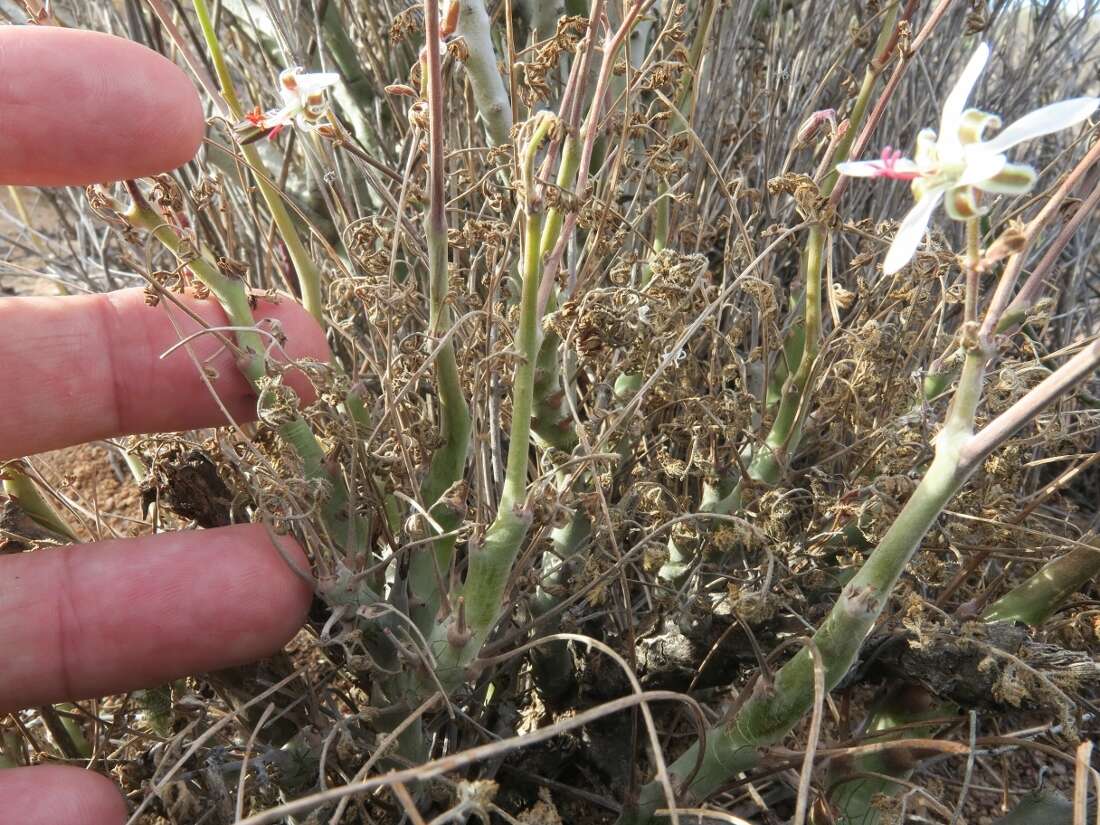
96 619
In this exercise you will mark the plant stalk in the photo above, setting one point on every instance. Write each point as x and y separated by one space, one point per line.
449 462
19 486
773 709
490 94
307 271
456 643
233 297
1033 601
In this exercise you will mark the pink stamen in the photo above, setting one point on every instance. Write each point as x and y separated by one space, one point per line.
274 133
887 166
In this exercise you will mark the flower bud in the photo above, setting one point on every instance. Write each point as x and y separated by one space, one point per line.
811 126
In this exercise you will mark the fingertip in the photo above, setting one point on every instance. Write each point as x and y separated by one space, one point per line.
81 107
307 339
128 613
99 366
52 794
283 576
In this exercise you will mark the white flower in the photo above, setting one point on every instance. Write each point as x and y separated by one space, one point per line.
958 164
303 101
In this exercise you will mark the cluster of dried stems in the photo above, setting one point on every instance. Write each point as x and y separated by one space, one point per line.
634 489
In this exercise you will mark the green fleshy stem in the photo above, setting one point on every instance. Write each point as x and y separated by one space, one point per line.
309 274
1039 808
766 462
787 431
457 642
481 64
447 467
233 297
552 424
936 383
553 669
19 486
1034 600
769 459
428 569
851 792
774 709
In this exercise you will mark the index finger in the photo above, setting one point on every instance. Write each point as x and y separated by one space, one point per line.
81 368
80 107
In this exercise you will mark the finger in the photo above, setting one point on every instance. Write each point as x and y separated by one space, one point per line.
102 618
83 368
52 794
82 107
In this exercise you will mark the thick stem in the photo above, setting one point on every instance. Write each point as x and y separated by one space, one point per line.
591 128
1033 601
527 342
553 667
852 792
772 710
481 67
309 274
19 486
551 418
233 297
490 565
449 461
766 462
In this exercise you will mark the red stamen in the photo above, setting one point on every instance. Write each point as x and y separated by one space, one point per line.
887 166
255 117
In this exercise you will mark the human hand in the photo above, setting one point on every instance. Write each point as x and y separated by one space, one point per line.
93 619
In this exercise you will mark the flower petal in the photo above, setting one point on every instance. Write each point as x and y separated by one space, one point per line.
905 166
860 168
962 203
280 117
973 125
955 103
980 165
1014 179
310 83
926 155
911 232
1043 121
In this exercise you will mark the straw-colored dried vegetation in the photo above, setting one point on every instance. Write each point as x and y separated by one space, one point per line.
671 336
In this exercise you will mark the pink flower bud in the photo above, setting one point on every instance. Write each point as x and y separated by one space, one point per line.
811 126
